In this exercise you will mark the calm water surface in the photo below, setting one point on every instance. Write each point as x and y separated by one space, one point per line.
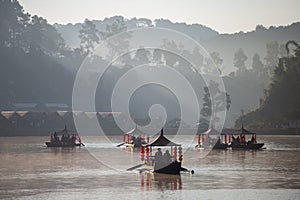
29 170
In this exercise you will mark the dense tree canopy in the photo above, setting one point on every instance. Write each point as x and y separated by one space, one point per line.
281 103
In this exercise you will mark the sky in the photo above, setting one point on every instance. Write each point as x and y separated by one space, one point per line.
224 16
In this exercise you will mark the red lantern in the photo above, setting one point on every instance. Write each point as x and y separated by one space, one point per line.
124 137
142 153
148 154
175 153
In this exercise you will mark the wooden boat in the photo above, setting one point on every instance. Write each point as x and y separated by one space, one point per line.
68 139
246 146
51 144
133 140
205 141
241 143
220 146
159 163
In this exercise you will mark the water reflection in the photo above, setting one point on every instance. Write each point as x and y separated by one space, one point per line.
155 181
57 150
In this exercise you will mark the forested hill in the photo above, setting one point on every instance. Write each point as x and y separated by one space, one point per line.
280 108
224 44
39 61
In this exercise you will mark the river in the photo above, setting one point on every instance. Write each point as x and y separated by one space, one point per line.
30 170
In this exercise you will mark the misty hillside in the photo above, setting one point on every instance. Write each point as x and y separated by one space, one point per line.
225 44
39 62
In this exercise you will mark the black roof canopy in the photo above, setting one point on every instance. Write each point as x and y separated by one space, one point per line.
162 141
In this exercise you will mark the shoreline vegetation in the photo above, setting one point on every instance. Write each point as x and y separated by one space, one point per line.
117 132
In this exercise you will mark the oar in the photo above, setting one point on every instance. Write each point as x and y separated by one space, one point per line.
82 144
186 170
120 144
137 166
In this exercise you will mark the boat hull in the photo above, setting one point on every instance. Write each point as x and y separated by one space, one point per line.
221 146
173 168
247 146
49 144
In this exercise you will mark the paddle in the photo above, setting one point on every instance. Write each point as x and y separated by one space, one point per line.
134 167
120 144
186 170
82 144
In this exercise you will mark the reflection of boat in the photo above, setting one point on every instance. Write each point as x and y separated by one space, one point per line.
212 139
241 143
167 163
161 181
68 139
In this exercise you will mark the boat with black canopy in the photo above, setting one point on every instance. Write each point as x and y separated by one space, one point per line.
240 142
167 162
133 140
212 139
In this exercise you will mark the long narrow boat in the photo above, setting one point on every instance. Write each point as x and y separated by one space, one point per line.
64 138
167 163
246 146
51 144
133 140
207 142
241 143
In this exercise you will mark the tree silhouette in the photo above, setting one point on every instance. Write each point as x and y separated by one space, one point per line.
141 56
272 55
207 107
88 35
214 101
215 56
119 44
257 65
13 21
281 102
41 36
239 61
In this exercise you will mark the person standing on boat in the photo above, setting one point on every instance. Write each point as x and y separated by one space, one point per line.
167 157
252 139
158 154
219 140
158 159
243 138
55 137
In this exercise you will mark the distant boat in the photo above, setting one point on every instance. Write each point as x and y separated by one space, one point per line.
207 142
133 140
241 143
64 138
